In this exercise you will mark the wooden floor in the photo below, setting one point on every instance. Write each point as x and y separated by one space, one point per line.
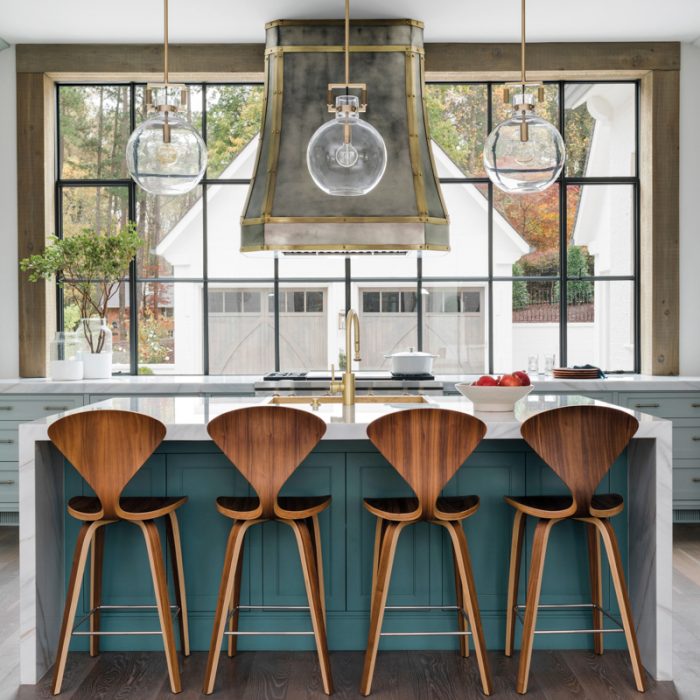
399 675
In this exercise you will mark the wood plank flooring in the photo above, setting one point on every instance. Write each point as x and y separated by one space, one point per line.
399 675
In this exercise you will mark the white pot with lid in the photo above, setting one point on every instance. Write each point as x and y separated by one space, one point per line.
411 362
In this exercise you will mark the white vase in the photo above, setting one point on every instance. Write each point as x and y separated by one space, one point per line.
65 357
97 365
65 370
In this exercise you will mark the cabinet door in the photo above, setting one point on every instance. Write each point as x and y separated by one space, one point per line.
417 566
278 575
202 477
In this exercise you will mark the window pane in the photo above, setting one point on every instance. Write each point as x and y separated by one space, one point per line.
216 302
526 233
192 113
170 328
390 302
234 115
600 129
459 340
243 342
172 227
385 332
468 208
314 302
471 302
601 326
601 227
525 323
305 337
370 302
93 131
457 115
104 210
232 302
251 302
408 302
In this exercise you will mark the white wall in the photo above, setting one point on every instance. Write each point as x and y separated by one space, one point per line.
9 327
690 210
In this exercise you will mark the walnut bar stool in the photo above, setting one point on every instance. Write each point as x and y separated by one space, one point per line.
108 448
267 444
580 444
426 447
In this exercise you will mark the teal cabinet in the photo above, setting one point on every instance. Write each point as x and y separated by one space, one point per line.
423 572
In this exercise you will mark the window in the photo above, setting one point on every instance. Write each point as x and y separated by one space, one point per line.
555 272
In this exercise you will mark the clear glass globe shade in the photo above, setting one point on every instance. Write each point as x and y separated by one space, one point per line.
346 156
514 165
171 168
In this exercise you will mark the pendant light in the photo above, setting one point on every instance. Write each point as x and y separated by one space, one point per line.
166 154
525 153
346 156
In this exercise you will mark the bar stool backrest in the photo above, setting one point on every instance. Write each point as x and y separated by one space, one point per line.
580 443
107 448
426 446
267 444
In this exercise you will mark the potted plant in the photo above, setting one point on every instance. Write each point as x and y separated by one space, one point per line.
92 267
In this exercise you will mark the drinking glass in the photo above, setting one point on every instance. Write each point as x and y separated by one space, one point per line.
549 363
533 364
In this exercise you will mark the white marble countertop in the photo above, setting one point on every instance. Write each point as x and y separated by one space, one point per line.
238 384
186 417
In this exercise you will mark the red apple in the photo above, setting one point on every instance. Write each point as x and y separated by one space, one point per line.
522 376
485 380
509 380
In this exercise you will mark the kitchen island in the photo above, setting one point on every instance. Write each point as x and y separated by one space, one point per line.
347 466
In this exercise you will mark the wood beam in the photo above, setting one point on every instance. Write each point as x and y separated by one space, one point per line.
659 123
35 148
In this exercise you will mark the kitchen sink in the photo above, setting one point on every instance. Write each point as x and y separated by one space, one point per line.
362 398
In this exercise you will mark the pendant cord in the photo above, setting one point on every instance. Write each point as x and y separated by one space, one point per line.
165 41
347 45
522 44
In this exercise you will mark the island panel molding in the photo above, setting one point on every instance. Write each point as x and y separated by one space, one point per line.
656 63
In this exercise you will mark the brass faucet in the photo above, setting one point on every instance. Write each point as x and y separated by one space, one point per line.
347 385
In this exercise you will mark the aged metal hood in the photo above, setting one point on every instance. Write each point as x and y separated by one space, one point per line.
285 210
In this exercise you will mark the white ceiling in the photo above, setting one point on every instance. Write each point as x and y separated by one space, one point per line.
194 21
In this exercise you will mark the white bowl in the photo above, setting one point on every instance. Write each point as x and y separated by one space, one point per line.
493 398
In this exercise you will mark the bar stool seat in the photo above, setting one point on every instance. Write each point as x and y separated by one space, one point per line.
405 508
289 507
133 507
603 505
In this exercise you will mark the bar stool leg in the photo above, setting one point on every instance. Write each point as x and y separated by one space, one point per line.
459 597
461 551
160 586
618 576
172 530
82 547
516 553
234 612
594 570
316 542
96 566
379 530
390 538
310 570
234 548
534 586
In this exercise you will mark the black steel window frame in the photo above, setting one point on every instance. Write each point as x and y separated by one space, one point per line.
563 182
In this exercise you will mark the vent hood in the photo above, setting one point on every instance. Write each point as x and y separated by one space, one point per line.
285 210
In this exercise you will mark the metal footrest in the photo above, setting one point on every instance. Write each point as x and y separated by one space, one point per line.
276 608
174 610
574 606
455 608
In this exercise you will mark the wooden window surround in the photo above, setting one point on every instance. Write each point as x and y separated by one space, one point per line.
657 65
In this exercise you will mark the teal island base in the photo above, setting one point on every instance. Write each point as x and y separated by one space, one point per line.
423 572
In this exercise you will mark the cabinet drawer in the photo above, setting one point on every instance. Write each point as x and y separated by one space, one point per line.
9 483
684 406
686 481
9 449
686 439
21 408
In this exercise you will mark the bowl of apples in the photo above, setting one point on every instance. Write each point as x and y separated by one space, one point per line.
500 394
